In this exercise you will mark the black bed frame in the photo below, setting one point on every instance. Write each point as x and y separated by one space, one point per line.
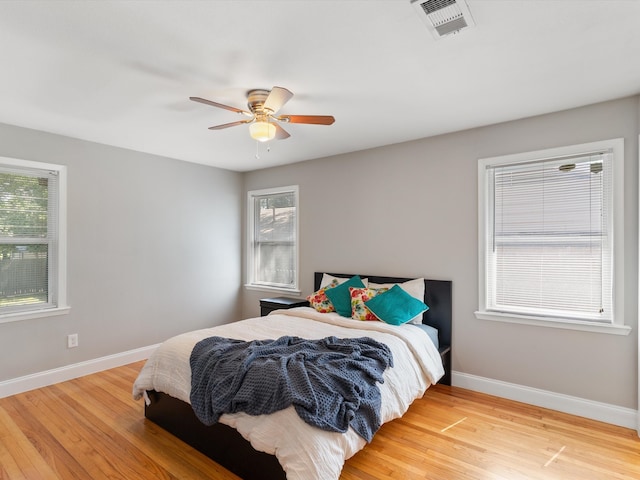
227 447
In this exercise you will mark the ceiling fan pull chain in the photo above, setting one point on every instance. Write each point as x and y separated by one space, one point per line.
257 150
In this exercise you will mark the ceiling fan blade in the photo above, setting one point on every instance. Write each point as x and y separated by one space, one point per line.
232 124
219 105
281 133
277 98
311 119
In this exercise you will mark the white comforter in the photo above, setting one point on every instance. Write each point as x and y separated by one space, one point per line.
305 452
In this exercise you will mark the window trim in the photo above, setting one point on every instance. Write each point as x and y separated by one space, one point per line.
249 285
62 307
617 326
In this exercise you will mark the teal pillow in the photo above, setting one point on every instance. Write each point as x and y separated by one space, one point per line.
395 306
340 296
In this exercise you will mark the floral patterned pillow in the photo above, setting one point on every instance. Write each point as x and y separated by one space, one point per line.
359 311
320 301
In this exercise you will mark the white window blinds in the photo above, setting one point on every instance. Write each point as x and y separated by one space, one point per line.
549 237
28 239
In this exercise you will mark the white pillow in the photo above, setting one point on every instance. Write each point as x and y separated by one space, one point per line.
327 279
414 287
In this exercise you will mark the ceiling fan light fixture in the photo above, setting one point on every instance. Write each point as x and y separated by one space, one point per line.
262 131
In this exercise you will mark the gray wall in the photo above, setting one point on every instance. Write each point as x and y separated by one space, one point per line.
153 250
155 246
411 210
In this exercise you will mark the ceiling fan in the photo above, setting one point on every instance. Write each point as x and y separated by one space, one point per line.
263 106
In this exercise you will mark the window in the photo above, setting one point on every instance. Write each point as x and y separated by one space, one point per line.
549 222
32 239
273 238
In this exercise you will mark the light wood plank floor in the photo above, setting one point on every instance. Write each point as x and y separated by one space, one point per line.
90 428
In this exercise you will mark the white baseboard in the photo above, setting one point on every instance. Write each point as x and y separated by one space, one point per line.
69 372
613 414
604 412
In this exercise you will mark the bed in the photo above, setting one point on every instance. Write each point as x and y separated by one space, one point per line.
281 445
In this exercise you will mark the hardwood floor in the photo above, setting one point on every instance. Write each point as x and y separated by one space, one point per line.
90 428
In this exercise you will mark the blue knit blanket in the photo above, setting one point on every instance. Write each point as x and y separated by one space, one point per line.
331 382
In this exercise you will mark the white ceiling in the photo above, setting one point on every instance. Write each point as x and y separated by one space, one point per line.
120 72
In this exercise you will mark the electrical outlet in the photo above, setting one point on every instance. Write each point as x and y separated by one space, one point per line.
72 340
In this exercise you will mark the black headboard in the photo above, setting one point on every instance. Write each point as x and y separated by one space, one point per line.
437 295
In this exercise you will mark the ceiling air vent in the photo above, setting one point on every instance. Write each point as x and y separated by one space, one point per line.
444 17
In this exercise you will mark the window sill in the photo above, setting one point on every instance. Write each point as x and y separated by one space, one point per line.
264 288
559 323
49 312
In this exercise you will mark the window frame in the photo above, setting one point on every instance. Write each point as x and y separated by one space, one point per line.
251 284
617 326
60 278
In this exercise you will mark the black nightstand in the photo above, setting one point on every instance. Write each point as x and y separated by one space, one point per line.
268 305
